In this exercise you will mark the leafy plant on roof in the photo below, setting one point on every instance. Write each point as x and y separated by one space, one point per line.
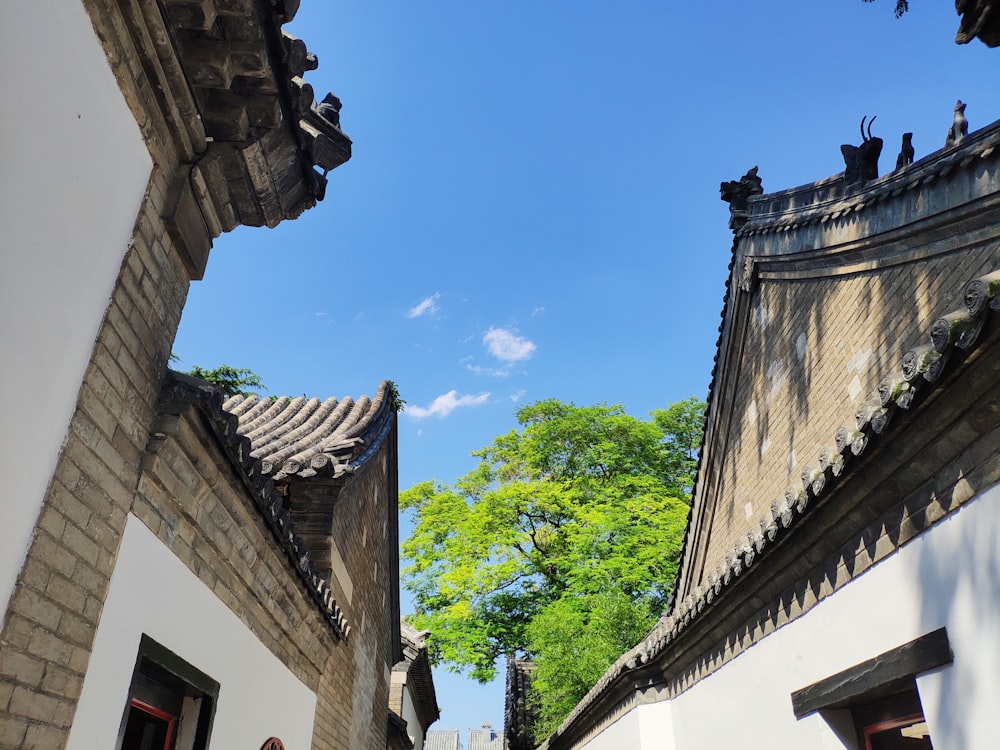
234 381
395 402
561 545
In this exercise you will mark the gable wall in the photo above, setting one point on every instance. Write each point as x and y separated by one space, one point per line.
154 593
53 612
944 578
831 285
815 350
190 499
364 519
67 215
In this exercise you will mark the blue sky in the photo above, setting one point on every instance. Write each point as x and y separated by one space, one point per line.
532 209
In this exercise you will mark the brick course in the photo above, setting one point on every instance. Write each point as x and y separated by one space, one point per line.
52 616
856 330
55 609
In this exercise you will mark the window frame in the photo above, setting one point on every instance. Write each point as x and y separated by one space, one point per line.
160 670
868 730
888 679
157 713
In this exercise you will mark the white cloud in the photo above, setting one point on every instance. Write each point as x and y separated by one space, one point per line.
537 311
507 345
445 404
493 372
427 306
517 396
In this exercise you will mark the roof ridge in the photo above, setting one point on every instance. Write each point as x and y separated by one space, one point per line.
180 391
301 435
295 414
289 409
831 202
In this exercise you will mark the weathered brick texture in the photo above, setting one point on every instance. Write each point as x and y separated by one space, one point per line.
354 692
820 346
53 615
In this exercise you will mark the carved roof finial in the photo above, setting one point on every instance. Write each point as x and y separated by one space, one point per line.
737 194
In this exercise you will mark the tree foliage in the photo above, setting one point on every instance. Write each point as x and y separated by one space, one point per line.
901 6
234 381
560 545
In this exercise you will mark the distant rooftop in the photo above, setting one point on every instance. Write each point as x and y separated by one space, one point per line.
486 738
442 739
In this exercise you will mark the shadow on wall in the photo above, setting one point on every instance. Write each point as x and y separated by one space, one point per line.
795 392
958 577
793 323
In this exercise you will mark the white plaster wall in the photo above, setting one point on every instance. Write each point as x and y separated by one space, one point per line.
74 169
948 577
412 719
152 592
656 727
623 733
646 727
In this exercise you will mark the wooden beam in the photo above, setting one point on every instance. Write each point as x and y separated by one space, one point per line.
869 678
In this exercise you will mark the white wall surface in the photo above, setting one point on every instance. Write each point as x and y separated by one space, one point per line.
412 719
948 577
656 727
623 733
645 727
152 592
73 169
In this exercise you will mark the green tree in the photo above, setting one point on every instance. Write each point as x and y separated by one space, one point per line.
610 623
234 381
901 6
564 527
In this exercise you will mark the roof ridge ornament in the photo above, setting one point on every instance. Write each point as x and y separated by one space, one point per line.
861 162
959 126
737 194
980 18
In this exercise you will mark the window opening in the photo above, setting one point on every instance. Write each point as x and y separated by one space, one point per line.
171 703
875 705
893 723
148 728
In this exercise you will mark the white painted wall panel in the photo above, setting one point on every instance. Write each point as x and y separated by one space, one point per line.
948 577
74 169
152 592
624 733
412 719
656 727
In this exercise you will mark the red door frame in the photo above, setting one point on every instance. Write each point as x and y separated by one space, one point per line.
162 716
882 726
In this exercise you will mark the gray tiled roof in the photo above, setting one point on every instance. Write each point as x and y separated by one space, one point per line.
309 437
485 739
417 668
442 739
413 640
260 436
